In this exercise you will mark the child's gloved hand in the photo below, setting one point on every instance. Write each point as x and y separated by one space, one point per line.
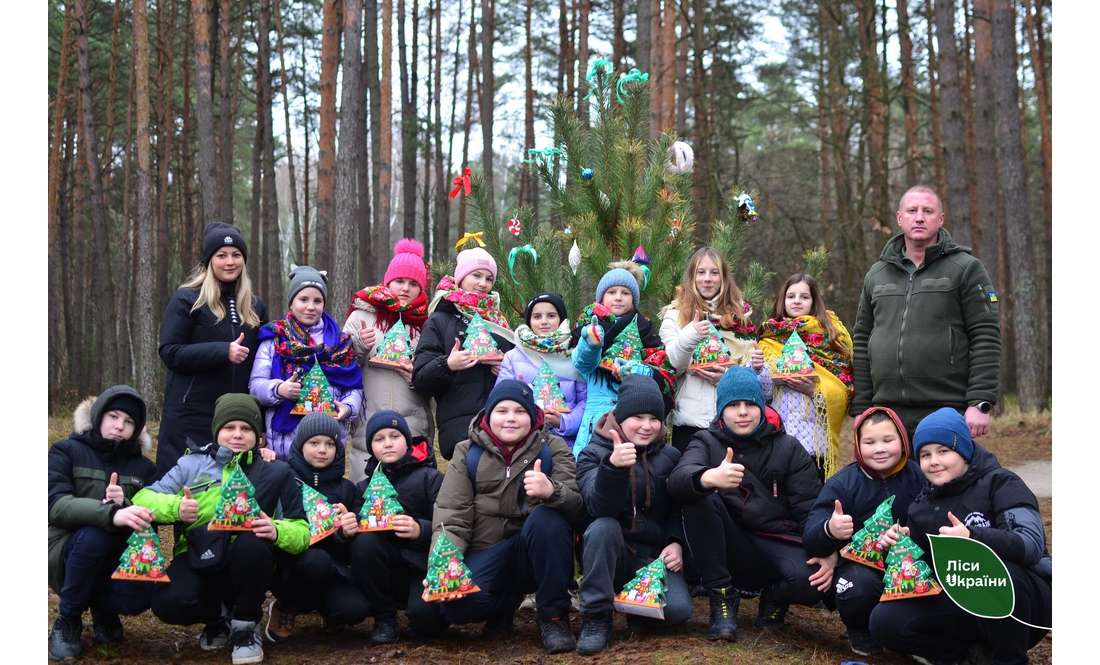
635 368
593 332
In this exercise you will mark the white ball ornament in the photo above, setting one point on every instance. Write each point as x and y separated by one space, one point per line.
680 158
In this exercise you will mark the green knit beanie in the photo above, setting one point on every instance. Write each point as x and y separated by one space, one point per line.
237 406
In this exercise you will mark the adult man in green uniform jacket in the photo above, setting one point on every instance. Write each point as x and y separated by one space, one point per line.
927 334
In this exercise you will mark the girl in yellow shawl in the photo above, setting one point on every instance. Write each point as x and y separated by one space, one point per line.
812 412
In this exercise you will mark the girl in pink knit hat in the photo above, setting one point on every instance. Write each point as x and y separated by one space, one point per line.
402 296
459 383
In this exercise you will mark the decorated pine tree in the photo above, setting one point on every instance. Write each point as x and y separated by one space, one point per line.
866 546
379 503
645 594
394 351
448 577
316 394
547 389
907 575
319 513
237 507
142 560
479 341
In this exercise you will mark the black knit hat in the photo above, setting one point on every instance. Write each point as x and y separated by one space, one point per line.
517 391
218 235
121 398
554 299
237 406
318 423
390 419
639 394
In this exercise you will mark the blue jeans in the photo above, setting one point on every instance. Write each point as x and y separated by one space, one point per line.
609 565
90 557
539 558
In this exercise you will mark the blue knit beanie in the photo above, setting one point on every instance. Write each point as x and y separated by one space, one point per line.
391 419
619 277
946 427
517 391
739 383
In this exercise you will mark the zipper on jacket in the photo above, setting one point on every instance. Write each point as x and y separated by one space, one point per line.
188 391
951 340
775 485
901 338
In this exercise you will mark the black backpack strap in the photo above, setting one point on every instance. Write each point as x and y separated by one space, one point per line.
473 456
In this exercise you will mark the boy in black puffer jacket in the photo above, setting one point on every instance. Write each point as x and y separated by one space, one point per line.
389 566
93 475
319 578
622 474
747 488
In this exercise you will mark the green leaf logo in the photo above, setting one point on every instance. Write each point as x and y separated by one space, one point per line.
973 576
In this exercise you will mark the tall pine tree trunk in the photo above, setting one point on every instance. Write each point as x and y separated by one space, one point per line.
1030 364
385 135
1033 26
374 86
986 225
938 168
347 166
147 340
875 112
439 234
957 200
273 251
908 97
363 219
291 170
204 110
486 104
57 241
228 97
408 127
326 148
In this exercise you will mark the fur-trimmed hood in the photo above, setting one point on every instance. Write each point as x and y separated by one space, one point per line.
87 413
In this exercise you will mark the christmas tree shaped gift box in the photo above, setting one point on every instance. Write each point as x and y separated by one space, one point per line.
395 350
479 341
316 394
907 575
626 349
866 544
142 560
237 506
448 577
645 594
379 503
711 352
319 513
547 389
794 361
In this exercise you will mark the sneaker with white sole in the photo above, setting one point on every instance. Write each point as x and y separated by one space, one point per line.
215 635
247 645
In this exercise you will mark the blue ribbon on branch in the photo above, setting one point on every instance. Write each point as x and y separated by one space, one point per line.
633 75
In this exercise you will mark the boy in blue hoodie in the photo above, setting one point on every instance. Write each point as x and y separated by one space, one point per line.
883 468
320 577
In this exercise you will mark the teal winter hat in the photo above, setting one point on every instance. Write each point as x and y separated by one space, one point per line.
739 383
946 427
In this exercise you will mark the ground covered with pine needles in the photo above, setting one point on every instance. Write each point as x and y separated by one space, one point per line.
811 636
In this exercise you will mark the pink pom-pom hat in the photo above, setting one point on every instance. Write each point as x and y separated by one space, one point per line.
407 262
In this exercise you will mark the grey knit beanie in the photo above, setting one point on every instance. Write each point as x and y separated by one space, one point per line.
304 276
639 394
318 423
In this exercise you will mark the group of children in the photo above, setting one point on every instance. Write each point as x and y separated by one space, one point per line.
732 500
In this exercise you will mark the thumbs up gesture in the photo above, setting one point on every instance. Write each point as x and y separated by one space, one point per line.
189 507
757 360
459 359
366 334
727 475
700 324
536 484
237 351
349 521
840 525
264 528
623 454
114 491
291 388
593 332
957 528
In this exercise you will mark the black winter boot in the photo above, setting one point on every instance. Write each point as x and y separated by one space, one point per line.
107 627
557 636
772 612
724 604
595 633
384 632
65 638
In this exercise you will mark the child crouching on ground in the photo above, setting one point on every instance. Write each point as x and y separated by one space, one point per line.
221 578
622 473
970 495
746 489
508 501
320 577
93 475
883 468
389 566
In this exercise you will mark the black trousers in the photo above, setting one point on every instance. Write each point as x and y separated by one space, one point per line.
938 629
194 596
858 589
726 554
391 582
313 580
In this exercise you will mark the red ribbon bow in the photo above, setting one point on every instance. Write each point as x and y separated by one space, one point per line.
462 182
